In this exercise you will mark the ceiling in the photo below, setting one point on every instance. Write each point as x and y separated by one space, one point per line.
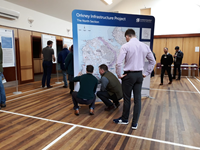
62 8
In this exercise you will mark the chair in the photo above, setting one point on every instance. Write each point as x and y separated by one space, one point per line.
184 68
194 69
158 66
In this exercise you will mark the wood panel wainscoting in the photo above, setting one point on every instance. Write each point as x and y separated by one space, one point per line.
26 56
186 42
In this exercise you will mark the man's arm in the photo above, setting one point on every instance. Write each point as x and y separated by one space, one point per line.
180 55
67 60
171 60
77 79
104 83
161 60
151 64
120 61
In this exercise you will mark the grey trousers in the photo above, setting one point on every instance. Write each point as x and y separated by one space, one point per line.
132 82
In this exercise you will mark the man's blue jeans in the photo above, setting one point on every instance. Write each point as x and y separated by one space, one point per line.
64 72
2 92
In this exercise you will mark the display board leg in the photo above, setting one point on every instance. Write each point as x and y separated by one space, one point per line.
57 75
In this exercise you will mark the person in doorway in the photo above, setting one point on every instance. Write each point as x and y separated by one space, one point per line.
47 56
69 66
110 88
86 93
2 90
178 57
166 62
61 59
133 53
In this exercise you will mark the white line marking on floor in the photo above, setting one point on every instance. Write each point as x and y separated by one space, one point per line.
197 79
33 94
173 91
193 85
107 131
28 91
60 137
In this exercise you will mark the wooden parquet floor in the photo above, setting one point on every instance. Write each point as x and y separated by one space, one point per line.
38 116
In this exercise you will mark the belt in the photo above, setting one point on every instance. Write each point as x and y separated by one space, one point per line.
125 72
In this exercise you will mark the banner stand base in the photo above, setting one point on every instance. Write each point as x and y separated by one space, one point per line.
58 82
15 93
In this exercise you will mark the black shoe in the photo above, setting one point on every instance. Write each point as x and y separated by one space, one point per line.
71 92
109 108
117 105
170 82
178 79
161 84
49 87
65 86
3 105
173 78
43 86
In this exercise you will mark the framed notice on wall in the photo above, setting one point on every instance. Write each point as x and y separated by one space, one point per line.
45 39
69 42
8 47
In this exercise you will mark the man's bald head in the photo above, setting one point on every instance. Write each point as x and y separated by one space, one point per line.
65 46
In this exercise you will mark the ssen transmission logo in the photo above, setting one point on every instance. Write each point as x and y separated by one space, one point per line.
144 20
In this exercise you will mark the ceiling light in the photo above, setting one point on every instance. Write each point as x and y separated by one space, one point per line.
109 2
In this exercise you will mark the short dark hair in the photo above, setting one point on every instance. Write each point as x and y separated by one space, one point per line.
72 48
177 47
49 42
104 67
130 33
89 68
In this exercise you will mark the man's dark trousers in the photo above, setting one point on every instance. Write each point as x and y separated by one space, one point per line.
105 96
47 68
132 82
168 72
177 66
77 101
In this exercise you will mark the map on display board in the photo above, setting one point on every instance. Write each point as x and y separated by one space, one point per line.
69 42
8 47
98 37
45 39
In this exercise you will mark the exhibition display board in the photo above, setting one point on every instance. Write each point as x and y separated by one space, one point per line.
69 42
8 47
98 37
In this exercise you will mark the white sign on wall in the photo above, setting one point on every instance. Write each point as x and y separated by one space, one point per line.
8 47
196 49
45 39
69 42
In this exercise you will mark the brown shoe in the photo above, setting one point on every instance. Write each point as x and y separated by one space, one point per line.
91 111
109 108
76 112
170 82
161 84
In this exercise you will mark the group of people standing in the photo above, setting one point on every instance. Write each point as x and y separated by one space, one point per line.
131 60
166 62
65 59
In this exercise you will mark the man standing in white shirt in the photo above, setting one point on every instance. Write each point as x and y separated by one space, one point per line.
134 53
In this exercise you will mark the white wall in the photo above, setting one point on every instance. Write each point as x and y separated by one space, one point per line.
42 22
172 16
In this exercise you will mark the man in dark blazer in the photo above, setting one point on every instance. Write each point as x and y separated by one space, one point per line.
166 62
48 56
178 57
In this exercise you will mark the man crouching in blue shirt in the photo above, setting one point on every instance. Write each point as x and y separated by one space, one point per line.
86 93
